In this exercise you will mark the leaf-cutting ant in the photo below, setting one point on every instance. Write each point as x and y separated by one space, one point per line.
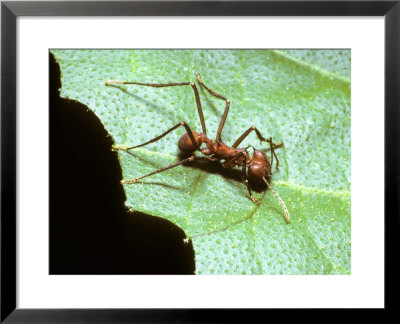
256 168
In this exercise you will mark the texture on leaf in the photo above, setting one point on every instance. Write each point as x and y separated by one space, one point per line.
299 97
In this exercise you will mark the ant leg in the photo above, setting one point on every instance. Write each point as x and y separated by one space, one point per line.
188 130
174 84
246 182
225 114
189 159
246 133
228 163
205 158
192 158
273 146
273 153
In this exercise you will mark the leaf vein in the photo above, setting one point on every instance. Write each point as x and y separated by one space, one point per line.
313 67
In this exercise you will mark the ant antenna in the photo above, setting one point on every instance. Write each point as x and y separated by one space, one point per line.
287 216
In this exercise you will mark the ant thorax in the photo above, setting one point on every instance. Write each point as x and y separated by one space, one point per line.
221 151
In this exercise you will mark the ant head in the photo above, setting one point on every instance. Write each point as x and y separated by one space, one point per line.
260 171
259 155
259 167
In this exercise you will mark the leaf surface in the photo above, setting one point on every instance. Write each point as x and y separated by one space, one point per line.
299 97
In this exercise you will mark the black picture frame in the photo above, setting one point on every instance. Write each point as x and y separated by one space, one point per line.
11 10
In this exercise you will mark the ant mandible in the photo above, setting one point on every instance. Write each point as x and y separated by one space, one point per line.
256 168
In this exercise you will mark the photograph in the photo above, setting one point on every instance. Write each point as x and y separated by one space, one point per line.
197 161
200 161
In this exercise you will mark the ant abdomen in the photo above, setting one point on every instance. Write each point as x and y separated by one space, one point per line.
259 167
186 145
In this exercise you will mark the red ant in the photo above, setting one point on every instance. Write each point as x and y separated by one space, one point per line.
258 166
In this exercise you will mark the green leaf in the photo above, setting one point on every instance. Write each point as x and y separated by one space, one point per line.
299 97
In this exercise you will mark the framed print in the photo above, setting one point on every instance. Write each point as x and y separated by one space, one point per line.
161 159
